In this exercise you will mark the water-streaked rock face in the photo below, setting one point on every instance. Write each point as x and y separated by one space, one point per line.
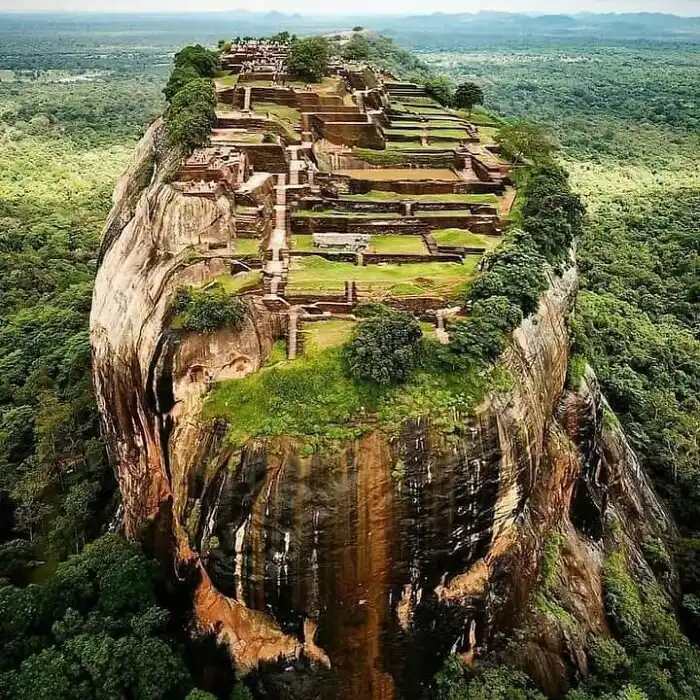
359 570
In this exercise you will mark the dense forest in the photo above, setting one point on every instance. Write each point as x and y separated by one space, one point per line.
73 102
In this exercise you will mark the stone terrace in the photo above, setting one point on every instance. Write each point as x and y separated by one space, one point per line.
356 188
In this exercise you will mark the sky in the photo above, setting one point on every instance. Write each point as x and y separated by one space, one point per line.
403 7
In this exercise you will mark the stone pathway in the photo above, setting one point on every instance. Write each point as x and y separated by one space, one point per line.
246 99
275 268
292 333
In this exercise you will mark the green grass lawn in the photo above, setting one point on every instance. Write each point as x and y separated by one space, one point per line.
316 274
460 237
450 133
430 124
227 80
314 399
387 157
241 282
404 132
302 241
409 245
247 246
413 145
396 197
321 335
487 133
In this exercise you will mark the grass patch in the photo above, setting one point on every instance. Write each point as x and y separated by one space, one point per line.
277 354
247 246
444 213
385 157
288 117
312 398
417 146
460 237
488 133
409 245
226 80
241 282
322 335
302 241
314 273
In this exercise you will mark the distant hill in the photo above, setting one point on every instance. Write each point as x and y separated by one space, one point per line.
436 30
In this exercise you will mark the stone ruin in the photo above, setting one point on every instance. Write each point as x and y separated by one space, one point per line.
351 242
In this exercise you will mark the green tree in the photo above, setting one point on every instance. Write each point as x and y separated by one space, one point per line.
208 310
524 138
440 89
455 681
180 76
93 632
191 116
384 348
308 58
204 61
482 335
515 271
468 95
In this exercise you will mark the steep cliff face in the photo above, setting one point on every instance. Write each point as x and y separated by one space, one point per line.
361 569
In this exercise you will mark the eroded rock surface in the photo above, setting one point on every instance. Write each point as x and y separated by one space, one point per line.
360 569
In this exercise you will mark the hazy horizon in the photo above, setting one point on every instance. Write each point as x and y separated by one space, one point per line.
684 8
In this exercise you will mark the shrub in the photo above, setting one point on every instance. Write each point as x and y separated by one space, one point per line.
482 336
526 139
516 272
269 137
457 682
656 555
621 596
468 95
191 115
208 310
608 658
357 49
552 215
370 308
308 58
440 89
202 60
180 76
384 348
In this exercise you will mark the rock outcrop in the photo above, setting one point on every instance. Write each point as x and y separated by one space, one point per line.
363 568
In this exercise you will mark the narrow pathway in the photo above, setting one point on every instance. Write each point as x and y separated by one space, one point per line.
275 268
246 99
293 330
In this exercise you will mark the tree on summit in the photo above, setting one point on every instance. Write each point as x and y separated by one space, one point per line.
468 95
308 58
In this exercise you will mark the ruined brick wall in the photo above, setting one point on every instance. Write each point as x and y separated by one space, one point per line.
350 205
377 258
266 157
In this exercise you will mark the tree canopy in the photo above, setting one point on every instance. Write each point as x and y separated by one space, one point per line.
384 347
308 58
94 631
440 88
468 95
525 138
191 115
202 60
